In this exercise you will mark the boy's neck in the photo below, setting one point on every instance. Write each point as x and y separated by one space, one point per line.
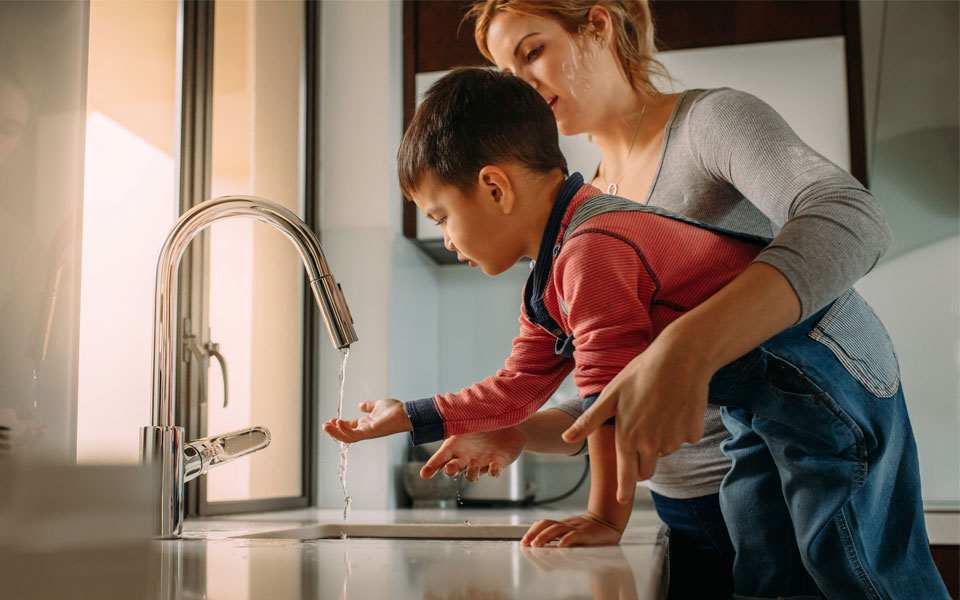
545 195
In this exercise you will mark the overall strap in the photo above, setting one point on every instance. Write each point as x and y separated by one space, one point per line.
605 203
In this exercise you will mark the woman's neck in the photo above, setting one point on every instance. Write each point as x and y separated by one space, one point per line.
625 130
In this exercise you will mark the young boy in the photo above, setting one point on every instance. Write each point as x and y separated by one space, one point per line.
824 477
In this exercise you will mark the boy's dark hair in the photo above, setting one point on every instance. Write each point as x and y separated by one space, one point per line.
474 117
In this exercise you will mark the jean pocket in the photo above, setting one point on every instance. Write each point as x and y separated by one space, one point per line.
816 422
855 335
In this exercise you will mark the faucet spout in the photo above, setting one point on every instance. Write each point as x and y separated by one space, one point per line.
162 444
326 290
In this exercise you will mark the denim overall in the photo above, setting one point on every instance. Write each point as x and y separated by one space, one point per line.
823 494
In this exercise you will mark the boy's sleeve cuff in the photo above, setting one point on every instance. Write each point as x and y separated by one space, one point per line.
588 402
426 420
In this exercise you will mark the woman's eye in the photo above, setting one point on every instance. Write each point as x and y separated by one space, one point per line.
534 53
440 221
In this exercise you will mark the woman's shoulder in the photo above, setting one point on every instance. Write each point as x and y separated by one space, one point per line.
713 105
724 112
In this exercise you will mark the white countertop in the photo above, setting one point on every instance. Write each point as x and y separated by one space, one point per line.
87 532
71 532
212 561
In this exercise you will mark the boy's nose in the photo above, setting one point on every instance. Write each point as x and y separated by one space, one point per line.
448 243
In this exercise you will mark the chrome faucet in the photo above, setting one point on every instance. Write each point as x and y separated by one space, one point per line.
161 443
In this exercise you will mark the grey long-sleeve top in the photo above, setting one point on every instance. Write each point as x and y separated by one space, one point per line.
730 160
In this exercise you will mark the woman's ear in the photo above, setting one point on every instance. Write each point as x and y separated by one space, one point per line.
600 23
496 189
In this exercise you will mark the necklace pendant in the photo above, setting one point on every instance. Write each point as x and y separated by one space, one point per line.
612 189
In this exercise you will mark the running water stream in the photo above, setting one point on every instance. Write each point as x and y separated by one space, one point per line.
342 468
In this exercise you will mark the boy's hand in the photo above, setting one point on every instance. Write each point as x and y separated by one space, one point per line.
581 530
386 417
659 400
476 453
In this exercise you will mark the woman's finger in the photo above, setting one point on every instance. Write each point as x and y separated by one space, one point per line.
626 468
589 421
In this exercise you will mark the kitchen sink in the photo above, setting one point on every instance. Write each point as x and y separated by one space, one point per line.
430 531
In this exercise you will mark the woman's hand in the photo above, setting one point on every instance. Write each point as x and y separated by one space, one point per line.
386 417
659 400
477 453
581 530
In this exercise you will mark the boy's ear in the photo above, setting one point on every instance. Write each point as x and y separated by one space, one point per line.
497 187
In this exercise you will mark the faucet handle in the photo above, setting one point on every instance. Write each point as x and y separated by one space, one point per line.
213 349
206 453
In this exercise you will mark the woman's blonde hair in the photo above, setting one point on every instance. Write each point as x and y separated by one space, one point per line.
634 43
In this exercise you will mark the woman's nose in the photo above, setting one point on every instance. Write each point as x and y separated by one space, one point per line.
448 243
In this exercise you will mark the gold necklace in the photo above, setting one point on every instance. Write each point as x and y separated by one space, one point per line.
612 187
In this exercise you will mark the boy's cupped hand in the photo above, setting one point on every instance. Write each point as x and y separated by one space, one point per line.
475 454
385 417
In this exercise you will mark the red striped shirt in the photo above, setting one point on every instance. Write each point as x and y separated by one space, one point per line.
623 277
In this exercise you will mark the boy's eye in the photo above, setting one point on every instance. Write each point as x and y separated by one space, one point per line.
534 53
440 221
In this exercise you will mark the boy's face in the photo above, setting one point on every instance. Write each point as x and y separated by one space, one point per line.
471 223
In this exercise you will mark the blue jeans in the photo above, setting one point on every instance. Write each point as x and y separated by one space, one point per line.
823 494
700 552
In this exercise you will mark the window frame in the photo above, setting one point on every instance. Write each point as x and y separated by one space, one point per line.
195 44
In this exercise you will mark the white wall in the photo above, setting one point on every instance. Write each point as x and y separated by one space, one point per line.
917 296
389 285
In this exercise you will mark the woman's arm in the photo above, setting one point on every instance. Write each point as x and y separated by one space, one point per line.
659 398
832 229
833 232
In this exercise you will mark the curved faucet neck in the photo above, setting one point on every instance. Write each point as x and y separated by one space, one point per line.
326 291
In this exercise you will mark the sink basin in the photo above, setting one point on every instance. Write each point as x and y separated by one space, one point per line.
430 531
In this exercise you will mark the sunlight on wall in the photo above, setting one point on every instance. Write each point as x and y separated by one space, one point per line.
129 204
128 208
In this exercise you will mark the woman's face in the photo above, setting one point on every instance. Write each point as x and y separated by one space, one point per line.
568 70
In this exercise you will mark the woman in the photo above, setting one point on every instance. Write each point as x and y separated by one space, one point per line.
719 156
